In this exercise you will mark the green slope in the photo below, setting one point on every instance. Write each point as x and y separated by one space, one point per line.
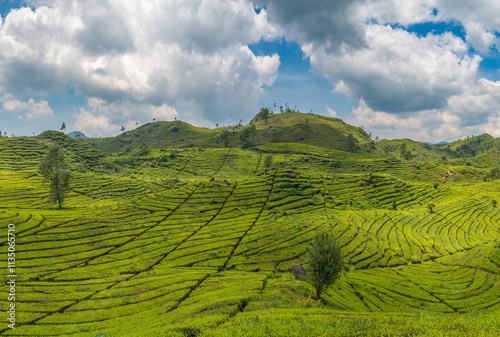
294 128
183 240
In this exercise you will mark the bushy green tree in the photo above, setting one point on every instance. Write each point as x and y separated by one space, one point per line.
268 160
405 153
351 143
325 262
275 133
262 115
224 137
247 135
55 172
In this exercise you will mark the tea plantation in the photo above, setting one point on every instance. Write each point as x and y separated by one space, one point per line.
160 239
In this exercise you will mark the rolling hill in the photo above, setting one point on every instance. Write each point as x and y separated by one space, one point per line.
169 232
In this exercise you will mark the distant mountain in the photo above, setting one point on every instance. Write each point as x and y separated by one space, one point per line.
440 143
77 135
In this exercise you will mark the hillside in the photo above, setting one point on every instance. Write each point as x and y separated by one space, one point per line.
473 146
180 235
291 127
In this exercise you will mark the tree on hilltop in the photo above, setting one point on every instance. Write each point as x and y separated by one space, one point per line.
262 115
55 172
224 137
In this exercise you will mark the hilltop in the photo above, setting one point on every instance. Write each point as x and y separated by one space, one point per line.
289 127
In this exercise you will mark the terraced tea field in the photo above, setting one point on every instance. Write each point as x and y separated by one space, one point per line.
201 240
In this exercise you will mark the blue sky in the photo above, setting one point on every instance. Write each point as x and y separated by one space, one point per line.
422 69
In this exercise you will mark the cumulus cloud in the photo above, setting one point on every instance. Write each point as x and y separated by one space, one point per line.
103 118
332 25
30 109
408 85
396 11
139 60
94 125
192 53
331 112
474 111
398 71
479 18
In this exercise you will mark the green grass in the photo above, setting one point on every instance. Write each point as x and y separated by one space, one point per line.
184 240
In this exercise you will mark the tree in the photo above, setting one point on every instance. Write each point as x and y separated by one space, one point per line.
55 172
275 133
253 132
351 143
63 127
325 262
224 137
247 135
268 160
262 115
405 153
387 149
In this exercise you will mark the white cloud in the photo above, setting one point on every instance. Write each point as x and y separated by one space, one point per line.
396 11
331 112
162 112
398 71
479 37
475 111
147 53
333 25
144 59
480 19
30 109
93 125
106 119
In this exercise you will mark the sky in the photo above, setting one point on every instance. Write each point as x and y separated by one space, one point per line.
421 69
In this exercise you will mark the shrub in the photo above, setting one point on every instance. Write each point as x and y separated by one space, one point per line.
431 207
308 303
268 160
